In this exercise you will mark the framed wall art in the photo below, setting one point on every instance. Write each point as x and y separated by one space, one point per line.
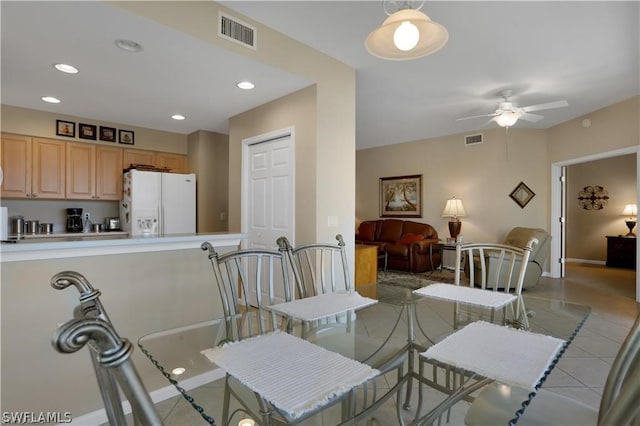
401 196
126 137
522 194
107 134
66 128
87 131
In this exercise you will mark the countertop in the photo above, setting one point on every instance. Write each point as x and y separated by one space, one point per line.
106 243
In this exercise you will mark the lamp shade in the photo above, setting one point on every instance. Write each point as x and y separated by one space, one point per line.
453 208
630 210
406 34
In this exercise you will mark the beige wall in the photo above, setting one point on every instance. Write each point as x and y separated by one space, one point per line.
616 126
43 124
334 116
587 229
482 176
209 159
297 110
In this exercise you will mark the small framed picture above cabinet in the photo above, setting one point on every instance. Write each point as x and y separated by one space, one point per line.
107 134
126 137
66 128
87 131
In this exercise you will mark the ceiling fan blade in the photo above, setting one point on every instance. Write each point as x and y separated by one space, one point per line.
477 116
548 105
530 117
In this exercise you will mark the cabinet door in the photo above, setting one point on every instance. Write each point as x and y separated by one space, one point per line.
176 163
48 168
81 171
15 160
108 173
136 156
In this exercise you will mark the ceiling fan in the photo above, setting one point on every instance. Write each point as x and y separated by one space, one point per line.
508 112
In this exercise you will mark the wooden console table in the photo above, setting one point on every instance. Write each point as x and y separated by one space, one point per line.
621 252
366 270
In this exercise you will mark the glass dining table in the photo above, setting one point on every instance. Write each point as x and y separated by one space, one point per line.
399 326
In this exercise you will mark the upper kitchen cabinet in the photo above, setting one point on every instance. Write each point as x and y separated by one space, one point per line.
32 167
176 163
93 172
137 156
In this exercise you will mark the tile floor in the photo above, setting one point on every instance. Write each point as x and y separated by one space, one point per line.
580 374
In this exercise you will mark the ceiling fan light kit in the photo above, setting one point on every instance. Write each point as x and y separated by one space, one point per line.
508 113
406 34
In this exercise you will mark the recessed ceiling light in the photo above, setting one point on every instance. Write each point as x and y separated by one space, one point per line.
69 69
246 85
178 117
178 371
51 99
128 45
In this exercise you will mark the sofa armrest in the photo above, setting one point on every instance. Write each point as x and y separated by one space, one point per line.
422 246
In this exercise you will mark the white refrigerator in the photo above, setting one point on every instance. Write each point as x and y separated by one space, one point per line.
157 203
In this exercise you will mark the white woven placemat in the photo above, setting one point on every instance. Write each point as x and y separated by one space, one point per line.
514 357
322 306
294 375
468 295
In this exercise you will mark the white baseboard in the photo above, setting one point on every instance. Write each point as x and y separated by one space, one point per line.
591 262
100 416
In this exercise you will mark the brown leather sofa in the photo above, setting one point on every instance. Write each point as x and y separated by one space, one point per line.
406 243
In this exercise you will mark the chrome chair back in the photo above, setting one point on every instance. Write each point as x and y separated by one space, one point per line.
318 268
111 354
494 267
248 281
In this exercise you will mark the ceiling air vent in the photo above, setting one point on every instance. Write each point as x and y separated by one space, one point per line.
473 139
235 30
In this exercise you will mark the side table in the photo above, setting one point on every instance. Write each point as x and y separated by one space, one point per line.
621 252
366 270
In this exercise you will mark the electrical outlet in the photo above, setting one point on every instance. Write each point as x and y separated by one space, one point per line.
87 216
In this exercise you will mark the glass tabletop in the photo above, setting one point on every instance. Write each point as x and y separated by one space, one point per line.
401 324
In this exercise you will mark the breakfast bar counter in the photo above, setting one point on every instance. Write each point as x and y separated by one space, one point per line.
82 245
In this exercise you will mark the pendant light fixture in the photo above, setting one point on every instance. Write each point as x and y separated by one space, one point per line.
406 34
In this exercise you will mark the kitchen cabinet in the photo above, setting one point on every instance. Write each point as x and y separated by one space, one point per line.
93 172
32 167
176 163
137 156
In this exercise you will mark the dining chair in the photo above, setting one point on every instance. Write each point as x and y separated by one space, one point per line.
321 268
618 405
480 295
110 353
249 281
318 268
506 275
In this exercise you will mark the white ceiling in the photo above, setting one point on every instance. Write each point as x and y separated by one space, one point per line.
584 52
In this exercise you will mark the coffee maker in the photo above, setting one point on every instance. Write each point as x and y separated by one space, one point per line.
74 220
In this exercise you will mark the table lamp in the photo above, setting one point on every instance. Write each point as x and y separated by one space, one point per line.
630 210
454 210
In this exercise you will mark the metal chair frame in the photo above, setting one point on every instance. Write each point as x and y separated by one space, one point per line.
236 274
110 353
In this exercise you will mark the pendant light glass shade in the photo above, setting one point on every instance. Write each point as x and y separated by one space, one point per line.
395 37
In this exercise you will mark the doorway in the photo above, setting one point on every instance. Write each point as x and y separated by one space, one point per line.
268 190
558 201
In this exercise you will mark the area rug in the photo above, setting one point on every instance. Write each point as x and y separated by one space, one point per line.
414 281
